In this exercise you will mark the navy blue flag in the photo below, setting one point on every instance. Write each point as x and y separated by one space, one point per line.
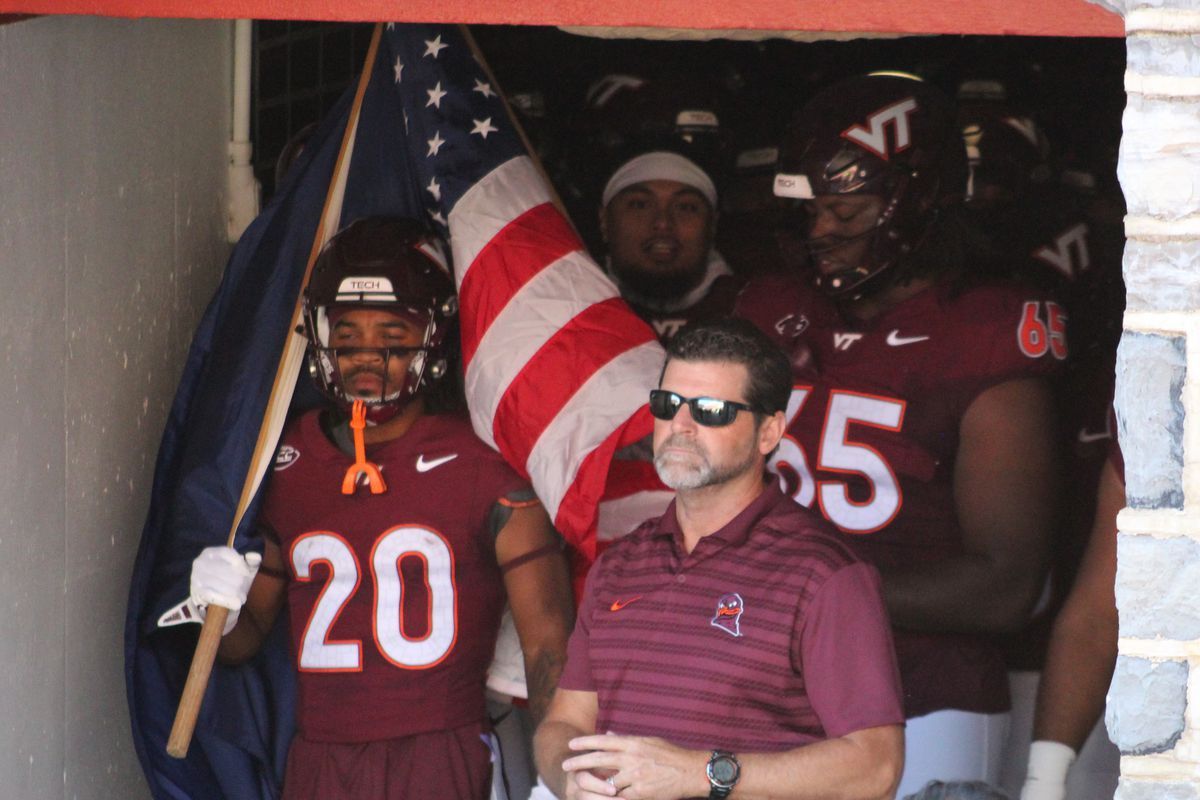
559 384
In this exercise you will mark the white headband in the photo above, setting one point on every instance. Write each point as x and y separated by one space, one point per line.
660 166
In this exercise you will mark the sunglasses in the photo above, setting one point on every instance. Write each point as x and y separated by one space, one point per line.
707 411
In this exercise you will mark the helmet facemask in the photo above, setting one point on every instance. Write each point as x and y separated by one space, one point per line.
335 367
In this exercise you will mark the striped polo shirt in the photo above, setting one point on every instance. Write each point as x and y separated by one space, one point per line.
769 635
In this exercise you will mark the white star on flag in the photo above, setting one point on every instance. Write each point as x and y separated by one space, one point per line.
435 189
436 216
435 144
391 26
484 89
435 96
483 127
434 46
398 68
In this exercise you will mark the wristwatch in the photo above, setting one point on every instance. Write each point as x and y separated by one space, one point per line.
723 771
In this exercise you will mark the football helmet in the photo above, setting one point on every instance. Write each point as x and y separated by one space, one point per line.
886 134
387 263
1007 154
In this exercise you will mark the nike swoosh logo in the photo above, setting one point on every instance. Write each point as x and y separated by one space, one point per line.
1087 437
425 466
896 340
617 605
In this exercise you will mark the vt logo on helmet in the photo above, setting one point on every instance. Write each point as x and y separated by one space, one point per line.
377 311
874 158
874 136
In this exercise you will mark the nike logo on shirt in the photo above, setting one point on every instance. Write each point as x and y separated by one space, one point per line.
425 466
896 340
617 605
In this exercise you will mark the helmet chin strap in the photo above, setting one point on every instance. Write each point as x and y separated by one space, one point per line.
379 413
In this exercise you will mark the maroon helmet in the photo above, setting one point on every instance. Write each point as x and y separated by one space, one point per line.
885 134
388 263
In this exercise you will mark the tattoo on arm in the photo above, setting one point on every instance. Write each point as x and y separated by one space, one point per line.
541 678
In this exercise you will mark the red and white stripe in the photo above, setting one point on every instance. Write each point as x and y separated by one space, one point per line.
557 366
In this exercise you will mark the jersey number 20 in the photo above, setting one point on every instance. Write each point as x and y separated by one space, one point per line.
318 653
837 453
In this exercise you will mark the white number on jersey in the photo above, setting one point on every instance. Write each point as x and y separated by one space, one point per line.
317 653
839 453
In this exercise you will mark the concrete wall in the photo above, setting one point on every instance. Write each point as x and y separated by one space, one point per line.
112 171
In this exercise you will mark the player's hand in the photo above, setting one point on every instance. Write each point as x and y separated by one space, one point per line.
222 576
1046 778
639 768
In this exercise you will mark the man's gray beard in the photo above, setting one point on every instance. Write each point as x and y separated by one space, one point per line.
681 477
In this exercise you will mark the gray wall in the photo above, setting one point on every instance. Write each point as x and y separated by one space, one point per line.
112 171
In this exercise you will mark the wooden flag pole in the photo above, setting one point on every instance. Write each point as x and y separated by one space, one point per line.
533 156
276 412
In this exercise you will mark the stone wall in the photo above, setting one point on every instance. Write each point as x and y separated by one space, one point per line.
1153 714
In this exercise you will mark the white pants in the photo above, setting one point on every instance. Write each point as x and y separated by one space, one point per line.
952 746
1095 772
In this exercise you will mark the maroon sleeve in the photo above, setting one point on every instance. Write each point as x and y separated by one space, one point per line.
1033 337
846 654
577 673
1015 335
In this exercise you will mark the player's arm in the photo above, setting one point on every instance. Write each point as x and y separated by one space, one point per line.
862 765
1082 652
263 601
538 583
1005 485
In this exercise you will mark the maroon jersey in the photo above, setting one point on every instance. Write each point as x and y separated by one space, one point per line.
873 430
713 299
395 599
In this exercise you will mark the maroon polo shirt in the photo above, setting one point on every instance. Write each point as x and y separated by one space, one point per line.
769 635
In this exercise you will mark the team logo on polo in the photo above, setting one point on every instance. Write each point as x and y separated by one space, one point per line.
286 456
729 614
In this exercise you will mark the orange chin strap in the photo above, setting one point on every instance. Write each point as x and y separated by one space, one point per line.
358 423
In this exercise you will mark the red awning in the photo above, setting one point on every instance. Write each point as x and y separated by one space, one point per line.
996 17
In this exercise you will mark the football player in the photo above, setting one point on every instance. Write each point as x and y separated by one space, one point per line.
394 536
658 218
1040 227
921 423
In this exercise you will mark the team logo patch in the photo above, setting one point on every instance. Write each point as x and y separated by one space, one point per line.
286 456
791 325
729 614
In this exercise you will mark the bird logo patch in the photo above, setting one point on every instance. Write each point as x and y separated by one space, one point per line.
729 614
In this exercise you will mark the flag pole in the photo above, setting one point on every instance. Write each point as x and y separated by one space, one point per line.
286 373
533 156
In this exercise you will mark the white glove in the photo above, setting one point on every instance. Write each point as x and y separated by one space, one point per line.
222 576
1046 777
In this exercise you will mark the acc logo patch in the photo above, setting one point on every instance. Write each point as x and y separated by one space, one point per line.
286 456
729 614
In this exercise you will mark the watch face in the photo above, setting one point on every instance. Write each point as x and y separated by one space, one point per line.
724 770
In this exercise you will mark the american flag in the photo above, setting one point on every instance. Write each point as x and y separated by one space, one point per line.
557 365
